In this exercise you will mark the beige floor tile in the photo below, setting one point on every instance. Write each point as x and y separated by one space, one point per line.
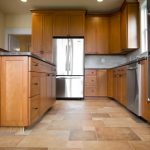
116 134
76 125
107 145
80 135
43 141
10 141
140 145
74 144
142 132
23 148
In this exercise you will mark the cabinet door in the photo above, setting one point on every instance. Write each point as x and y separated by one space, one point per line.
43 93
37 38
49 90
101 82
124 30
47 37
144 92
90 34
76 24
110 83
130 31
133 26
115 83
60 24
114 39
14 91
102 36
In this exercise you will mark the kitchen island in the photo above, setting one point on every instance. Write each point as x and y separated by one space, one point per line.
27 88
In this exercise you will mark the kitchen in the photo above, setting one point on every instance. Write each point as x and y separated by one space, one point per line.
74 75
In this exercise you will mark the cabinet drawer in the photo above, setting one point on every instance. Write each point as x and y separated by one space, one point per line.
34 108
90 72
90 80
34 84
90 91
34 65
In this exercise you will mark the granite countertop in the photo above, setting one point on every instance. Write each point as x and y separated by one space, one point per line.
120 65
29 54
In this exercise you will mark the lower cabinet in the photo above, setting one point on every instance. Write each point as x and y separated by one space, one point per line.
117 84
144 92
26 90
95 83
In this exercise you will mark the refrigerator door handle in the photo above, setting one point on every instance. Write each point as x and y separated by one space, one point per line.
66 59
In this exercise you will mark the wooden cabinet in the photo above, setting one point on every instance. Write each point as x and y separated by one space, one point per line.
42 35
26 90
14 91
115 34
117 80
68 23
96 83
130 31
97 34
90 83
101 82
145 105
110 83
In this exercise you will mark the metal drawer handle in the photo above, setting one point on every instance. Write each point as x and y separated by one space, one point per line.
134 68
35 108
36 64
35 83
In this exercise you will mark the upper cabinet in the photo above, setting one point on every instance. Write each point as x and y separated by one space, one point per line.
130 27
114 37
97 34
117 33
42 34
68 23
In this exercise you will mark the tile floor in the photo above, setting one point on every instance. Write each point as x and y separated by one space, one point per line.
83 125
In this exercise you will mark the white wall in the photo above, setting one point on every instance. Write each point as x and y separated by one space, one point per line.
2 30
18 21
17 24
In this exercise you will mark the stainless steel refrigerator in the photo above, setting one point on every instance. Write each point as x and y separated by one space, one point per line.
69 67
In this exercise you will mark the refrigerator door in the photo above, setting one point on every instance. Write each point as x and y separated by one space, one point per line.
76 56
69 87
60 46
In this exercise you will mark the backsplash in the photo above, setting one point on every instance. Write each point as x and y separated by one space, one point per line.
104 61
134 55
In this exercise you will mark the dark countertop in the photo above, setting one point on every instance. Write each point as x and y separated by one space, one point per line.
124 64
29 54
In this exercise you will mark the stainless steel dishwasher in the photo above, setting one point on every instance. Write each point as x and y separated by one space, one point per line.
133 82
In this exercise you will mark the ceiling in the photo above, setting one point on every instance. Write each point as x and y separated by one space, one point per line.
16 6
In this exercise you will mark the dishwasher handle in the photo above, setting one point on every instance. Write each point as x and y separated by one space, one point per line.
132 68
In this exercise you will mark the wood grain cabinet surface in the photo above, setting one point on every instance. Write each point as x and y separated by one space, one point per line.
130 27
115 33
97 34
68 23
42 34
144 92
117 84
95 83
26 90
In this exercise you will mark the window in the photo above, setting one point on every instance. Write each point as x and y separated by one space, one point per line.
19 42
144 26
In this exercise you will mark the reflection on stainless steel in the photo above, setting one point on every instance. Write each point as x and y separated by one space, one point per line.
69 87
133 88
70 67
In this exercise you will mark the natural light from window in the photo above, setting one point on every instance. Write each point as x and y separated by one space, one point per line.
144 28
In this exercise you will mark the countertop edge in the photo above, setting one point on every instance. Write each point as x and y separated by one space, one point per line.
29 54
